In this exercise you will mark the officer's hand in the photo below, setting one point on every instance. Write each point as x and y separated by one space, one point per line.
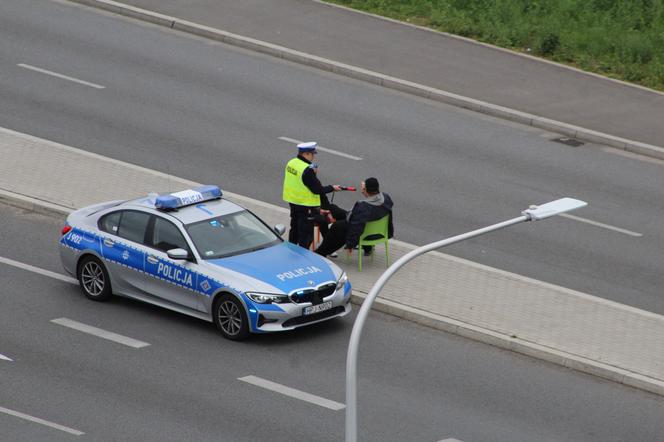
349 252
337 188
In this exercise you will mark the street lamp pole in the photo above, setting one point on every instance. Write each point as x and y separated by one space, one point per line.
534 213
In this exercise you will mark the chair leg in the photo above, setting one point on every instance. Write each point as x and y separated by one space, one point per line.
360 252
387 254
314 241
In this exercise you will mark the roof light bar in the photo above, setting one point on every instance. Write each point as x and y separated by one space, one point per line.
174 201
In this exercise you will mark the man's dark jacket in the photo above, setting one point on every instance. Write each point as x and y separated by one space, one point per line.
373 208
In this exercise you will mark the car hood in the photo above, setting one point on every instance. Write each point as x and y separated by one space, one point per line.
285 266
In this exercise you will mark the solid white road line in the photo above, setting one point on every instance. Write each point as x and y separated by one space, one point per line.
34 269
100 333
5 358
291 392
602 225
41 421
450 440
324 149
64 77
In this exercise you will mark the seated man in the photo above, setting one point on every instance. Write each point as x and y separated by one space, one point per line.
327 215
374 206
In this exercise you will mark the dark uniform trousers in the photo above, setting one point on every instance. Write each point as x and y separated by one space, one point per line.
301 225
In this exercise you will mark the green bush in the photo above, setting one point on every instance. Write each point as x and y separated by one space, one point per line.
548 44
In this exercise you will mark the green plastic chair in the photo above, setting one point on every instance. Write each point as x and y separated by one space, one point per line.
379 229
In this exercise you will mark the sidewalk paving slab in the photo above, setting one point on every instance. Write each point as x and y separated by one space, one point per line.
549 322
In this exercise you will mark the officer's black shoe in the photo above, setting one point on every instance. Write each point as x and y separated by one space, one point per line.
368 251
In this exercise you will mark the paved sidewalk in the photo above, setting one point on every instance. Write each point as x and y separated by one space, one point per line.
426 63
573 329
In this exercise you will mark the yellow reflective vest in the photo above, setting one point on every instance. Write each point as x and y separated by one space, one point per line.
294 189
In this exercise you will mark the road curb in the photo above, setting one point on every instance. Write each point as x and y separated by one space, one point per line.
376 78
33 204
514 343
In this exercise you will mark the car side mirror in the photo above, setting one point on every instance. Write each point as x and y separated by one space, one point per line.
178 254
280 229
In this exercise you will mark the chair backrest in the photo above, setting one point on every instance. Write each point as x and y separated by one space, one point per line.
378 228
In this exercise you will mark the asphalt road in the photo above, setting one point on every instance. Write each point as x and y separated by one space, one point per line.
214 114
433 59
415 384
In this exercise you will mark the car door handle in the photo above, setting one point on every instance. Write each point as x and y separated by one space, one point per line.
152 259
108 242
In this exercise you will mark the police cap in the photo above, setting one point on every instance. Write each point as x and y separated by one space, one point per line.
309 146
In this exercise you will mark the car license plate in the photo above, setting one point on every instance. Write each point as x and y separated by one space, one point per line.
317 308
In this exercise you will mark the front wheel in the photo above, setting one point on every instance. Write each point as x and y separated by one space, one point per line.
94 280
230 318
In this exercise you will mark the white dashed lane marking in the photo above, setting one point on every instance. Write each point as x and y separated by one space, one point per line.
34 269
602 225
292 392
37 420
324 149
120 339
64 77
5 358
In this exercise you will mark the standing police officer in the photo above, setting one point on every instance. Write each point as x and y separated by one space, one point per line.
302 190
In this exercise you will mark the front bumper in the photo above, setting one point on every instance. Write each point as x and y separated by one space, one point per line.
279 317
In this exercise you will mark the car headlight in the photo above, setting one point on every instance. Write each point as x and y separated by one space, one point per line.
267 298
343 279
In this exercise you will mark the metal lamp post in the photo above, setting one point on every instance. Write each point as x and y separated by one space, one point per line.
534 213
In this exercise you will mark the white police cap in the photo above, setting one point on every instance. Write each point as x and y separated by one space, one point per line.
309 146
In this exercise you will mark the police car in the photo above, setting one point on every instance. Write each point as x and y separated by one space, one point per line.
199 254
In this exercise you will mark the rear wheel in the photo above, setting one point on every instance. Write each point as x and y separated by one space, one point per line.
94 280
230 317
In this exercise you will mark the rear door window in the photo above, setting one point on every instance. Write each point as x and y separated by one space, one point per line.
133 225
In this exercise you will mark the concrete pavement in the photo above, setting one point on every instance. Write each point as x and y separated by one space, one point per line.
430 64
566 327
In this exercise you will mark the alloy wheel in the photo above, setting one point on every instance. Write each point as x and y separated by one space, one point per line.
92 277
230 318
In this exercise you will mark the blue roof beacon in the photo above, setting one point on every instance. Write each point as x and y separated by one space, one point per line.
174 201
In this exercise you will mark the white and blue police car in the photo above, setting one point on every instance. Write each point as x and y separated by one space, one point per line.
199 254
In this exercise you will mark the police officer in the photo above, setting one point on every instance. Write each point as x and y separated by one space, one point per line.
302 190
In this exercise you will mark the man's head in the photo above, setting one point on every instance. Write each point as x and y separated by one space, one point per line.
307 150
370 186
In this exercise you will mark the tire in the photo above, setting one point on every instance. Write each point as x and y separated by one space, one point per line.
93 279
230 317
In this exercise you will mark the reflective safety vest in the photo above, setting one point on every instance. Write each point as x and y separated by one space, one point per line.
294 189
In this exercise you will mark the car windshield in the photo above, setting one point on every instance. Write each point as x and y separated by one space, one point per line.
232 234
